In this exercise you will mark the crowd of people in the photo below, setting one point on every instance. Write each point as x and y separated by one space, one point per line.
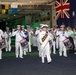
46 39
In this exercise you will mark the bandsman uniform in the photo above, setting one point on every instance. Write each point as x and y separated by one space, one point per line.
25 49
30 32
44 44
19 36
8 39
1 35
62 36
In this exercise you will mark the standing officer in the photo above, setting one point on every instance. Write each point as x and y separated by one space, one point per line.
37 34
27 39
62 36
8 39
30 32
44 44
19 36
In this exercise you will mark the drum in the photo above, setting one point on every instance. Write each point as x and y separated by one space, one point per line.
24 43
2 44
68 44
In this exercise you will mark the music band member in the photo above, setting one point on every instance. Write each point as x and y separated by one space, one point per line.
19 36
30 32
37 32
1 36
8 39
44 44
25 49
62 36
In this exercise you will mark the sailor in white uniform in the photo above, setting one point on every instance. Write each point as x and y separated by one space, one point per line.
37 35
52 41
25 49
30 32
1 35
8 35
56 37
62 36
19 36
44 44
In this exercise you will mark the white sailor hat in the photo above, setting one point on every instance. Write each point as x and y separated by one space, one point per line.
44 26
62 26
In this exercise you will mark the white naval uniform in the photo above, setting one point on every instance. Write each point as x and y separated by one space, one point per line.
37 37
45 47
38 43
25 50
8 42
62 36
30 40
1 35
34 40
57 38
19 36
52 42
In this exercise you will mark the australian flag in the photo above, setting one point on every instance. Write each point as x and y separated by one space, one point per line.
66 12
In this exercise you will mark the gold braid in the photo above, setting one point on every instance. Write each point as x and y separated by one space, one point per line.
44 37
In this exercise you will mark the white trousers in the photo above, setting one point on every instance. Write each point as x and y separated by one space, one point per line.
29 46
54 47
0 54
8 45
48 58
57 42
19 50
46 53
62 49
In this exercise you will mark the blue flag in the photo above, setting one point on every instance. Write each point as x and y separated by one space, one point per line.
65 12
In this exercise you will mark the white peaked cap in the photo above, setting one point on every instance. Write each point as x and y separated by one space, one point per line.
44 25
